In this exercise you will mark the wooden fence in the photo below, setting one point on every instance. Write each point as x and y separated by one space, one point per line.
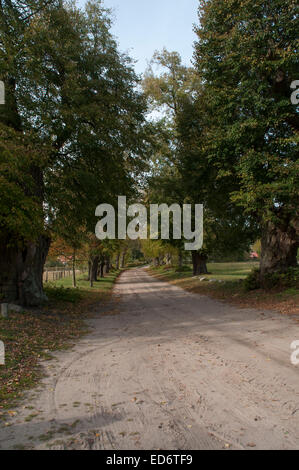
56 274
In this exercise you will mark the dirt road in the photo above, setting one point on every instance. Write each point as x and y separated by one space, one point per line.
166 369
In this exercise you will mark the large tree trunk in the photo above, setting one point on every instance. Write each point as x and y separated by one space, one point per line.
199 262
22 266
21 272
279 247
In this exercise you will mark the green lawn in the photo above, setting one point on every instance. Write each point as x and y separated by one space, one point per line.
83 285
219 271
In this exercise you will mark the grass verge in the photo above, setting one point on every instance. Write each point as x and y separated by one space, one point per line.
231 288
33 335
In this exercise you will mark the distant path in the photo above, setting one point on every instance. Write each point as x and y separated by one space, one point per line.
168 370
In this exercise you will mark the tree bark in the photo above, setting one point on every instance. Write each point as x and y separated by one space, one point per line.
74 269
21 267
180 259
94 270
102 266
107 265
89 270
168 259
117 261
123 258
199 262
279 247
21 272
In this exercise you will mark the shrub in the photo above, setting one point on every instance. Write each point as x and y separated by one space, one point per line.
63 294
252 282
182 269
288 279
283 280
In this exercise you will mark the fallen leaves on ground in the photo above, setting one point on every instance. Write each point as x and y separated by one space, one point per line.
31 336
234 293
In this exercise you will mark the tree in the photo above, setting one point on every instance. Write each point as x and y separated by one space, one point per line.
227 229
22 160
69 246
183 171
73 131
247 57
166 93
154 250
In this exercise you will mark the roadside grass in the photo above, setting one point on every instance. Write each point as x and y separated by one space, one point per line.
31 336
219 271
62 291
83 285
137 264
231 290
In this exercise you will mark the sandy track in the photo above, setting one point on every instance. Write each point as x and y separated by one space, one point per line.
167 369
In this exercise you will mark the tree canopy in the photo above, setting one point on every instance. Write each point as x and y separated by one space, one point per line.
73 126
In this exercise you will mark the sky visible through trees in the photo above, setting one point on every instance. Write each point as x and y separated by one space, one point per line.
142 26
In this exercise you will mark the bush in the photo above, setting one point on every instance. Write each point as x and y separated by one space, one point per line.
285 280
252 281
63 294
182 269
166 267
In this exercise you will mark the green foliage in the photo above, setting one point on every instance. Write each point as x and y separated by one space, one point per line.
252 282
168 89
182 169
257 247
289 279
21 214
283 280
73 130
247 56
71 95
152 249
182 269
62 294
